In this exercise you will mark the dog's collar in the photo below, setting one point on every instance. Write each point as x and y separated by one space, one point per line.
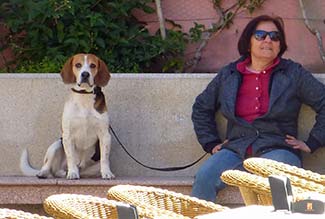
94 91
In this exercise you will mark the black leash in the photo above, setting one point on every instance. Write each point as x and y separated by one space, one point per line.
155 168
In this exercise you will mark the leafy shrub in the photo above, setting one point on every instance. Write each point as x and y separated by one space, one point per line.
45 65
44 33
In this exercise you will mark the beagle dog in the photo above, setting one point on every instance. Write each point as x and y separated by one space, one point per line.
83 150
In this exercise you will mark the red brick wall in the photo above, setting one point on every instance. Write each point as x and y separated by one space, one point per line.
302 45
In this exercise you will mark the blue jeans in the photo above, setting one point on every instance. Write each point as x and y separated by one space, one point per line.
207 182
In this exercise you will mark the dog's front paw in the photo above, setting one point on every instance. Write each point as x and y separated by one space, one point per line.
107 174
73 175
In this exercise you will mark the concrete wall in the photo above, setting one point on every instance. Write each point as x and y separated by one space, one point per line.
149 112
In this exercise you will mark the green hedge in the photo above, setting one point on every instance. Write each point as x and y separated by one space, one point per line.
44 33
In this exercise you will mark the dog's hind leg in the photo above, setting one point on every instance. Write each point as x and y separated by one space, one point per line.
59 167
52 159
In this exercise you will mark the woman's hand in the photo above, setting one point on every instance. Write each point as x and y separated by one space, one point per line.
218 147
297 144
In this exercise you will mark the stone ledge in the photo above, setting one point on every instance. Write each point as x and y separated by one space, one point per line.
31 190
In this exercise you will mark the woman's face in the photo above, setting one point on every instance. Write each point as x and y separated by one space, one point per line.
265 49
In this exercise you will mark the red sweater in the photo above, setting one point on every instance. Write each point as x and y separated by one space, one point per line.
253 94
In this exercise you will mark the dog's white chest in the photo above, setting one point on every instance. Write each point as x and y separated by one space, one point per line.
82 122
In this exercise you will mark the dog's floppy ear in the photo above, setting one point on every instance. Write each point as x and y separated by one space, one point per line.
67 73
103 75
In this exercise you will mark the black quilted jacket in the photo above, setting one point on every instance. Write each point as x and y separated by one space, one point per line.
291 86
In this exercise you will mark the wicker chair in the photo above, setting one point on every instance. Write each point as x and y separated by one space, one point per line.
73 206
16 214
181 206
254 189
299 177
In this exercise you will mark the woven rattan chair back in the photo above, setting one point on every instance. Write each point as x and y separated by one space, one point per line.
262 164
305 179
255 190
17 214
73 206
167 201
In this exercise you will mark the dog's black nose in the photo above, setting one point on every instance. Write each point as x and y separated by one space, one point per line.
85 75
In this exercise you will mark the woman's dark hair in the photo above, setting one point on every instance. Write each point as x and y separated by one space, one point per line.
244 43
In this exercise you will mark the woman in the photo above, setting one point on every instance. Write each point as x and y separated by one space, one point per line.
260 95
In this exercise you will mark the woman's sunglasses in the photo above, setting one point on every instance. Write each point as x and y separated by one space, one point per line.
261 35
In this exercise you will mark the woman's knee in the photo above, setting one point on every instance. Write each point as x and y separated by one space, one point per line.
284 156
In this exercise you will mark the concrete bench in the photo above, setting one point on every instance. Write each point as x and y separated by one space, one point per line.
151 114
30 190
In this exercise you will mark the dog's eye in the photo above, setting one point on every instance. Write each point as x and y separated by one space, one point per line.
78 65
92 65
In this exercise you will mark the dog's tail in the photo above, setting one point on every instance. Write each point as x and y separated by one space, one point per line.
25 166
